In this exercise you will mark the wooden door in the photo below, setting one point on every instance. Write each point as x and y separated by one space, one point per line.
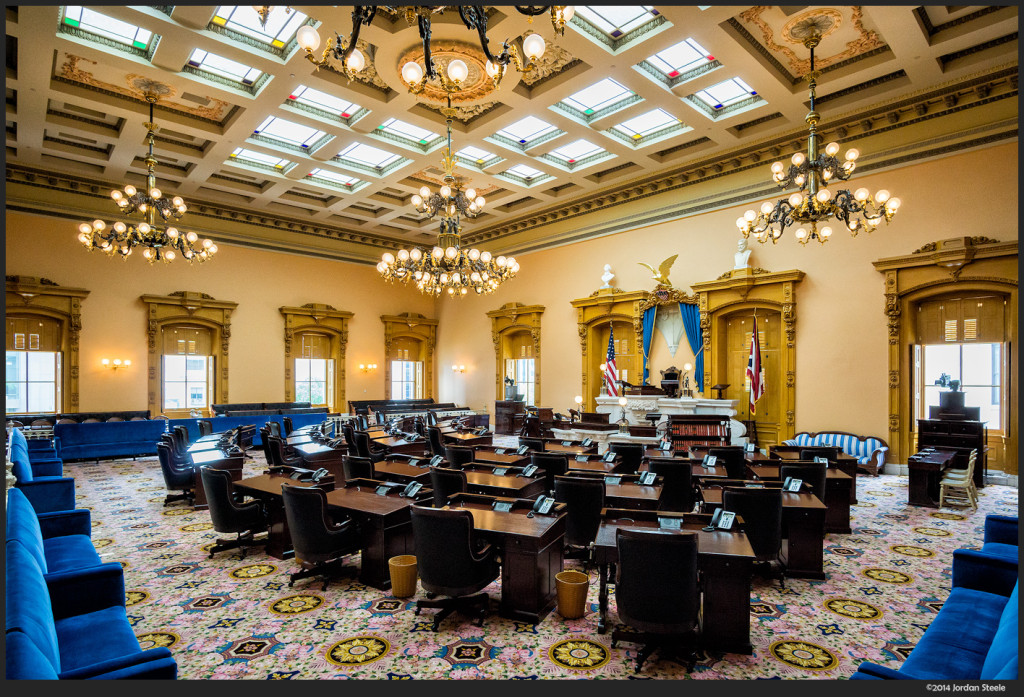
738 328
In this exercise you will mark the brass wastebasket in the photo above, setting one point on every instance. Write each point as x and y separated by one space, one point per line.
571 587
403 575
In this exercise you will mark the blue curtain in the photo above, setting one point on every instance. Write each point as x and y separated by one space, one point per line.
691 323
648 337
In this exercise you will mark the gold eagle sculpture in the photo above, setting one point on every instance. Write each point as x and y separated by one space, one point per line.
661 275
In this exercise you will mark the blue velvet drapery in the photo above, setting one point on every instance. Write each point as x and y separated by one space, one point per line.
648 338
691 323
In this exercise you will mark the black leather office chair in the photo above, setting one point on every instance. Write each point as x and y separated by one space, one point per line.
347 433
677 493
458 455
535 444
420 427
812 473
452 562
281 454
205 427
286 422
761 510
320 543
178 476
584 499
632 455
657 592
362 422
431 418
553 464
230 515
365 448
434 441
265 439
181 435
731 456
829 452
356 467
446 482
274 428
244 436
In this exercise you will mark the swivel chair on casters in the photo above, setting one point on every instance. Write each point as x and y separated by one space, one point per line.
230 514
320 543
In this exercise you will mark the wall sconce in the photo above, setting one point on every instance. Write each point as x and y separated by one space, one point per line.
367 367
458 369
116 363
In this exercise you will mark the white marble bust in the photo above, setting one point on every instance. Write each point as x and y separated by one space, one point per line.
607 276
742 255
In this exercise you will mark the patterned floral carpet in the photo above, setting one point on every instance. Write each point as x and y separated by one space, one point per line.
231 618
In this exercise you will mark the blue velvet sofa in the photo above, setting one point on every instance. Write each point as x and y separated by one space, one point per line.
974 636
870 452
46 492
40 453
73 624
1001 537
58 541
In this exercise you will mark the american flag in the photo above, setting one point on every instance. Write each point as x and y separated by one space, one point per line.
609 368
755 371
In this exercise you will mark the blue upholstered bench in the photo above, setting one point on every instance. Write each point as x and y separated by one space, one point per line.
92 441
73 624
1001 537
46 492
58 541
974 636
870 452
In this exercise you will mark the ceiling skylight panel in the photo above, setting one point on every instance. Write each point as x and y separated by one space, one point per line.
408 131
577 150
368 155
280 28
644 124
330 176
524 171
244 154
322 100
477 155
289 132
598 96
102 25
677 59
726 93
224 67
525 130
617 20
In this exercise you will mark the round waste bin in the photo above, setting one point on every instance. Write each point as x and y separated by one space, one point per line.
403 575
571 587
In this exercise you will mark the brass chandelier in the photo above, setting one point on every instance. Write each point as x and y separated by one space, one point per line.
815 203
351 60
160 241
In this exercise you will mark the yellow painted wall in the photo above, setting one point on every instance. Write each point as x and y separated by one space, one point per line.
842 368
114 319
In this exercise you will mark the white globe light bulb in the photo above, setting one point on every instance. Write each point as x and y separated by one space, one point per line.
767 207
403 254
798 158
172 233
795 199
116 194
417 200
412 72
777 167
852 154
491 69
451 252
458 70
801 233
823 195
861 194
832 148
207 243
213 249
480 201
470 194
356 61
825 232
446 191
749 216
893 203
129 190
155 192
741 222
307 38
485 257
85 228
120 227
425 192
144 228
437 252
416 254
178 201
191 237
533 46
169 255
474 254
882 196
388 258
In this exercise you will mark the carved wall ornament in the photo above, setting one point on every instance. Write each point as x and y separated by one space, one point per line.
894 423
790 378
894 378
321 319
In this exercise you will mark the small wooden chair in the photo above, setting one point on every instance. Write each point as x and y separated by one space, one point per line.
956 488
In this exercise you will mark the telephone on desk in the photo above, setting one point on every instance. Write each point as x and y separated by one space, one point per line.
299 474
721 520
542 505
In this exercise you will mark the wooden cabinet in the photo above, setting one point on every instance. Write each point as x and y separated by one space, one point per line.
699 429
957 433
504 415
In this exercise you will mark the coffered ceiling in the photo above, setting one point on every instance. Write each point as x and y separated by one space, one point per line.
270 152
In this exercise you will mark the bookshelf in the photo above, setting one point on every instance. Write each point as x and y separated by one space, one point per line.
688 430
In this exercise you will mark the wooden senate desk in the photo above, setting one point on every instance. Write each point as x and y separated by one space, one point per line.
557 447
836 499
506 457
845 463
530 548
316 455
625 491
298 438
384 525
466 438
594 463
925 472
216 459
405 472
482 480
724 557
400 445
803 529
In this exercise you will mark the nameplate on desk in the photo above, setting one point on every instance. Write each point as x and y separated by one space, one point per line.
820 459
754 485
612 481
582 458
670 523
500 471
502 506
567 443
413 462
499 451
750 447
382 490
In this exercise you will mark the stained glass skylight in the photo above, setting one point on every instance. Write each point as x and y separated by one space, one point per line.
252 156
341 179
324 101
289 132
726 93
409 132
684 56
368 155
524 171
576 150
95 23
476 155
617 20
598 96
526 130
224 67
280 28
645 124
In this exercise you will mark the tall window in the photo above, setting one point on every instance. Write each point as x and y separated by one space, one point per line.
406 379
33 367
962 338
521 370
314 372
188 376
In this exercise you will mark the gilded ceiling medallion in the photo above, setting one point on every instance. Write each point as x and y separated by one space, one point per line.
477 84
821 22
145 86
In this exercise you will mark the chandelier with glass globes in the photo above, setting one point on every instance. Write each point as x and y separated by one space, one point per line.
815 203
162 243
